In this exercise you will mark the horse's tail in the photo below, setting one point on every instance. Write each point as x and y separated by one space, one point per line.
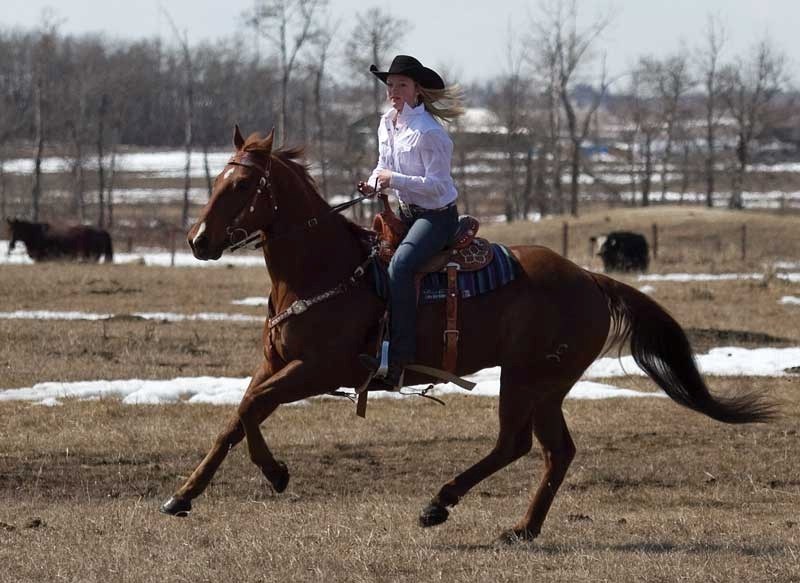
660 347
108 249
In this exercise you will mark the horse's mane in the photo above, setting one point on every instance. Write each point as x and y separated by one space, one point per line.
294 160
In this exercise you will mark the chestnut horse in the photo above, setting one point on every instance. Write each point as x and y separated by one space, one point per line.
46 242
543 329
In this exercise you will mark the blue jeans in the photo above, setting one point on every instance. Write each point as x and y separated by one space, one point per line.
429 233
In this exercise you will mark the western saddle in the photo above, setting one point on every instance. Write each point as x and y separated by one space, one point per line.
466 253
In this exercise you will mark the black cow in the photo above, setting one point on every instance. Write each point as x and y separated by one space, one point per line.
625 251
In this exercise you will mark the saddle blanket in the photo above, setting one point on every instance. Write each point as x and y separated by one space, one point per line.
502 270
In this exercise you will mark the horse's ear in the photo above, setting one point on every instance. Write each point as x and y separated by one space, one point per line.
238 140
269 140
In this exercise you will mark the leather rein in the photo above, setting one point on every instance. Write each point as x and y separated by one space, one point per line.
257 238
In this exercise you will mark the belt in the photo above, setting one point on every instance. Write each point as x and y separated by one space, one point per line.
413 210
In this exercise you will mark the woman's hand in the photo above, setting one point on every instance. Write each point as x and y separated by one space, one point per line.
365 188
384 179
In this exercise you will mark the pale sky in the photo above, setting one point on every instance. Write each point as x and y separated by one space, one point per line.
466 37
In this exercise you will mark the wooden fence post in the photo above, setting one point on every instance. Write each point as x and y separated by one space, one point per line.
565 239
655 241
744 242
172 249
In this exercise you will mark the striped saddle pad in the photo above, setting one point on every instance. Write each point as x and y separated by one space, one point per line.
502 270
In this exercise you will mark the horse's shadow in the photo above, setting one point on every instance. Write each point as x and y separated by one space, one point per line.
642 547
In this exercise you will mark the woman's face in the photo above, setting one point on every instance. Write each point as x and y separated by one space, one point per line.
401 90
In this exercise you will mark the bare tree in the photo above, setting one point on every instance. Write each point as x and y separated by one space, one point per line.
710 74
673 82
321 51
750 85
509 105
654 102
183 41
374 35
544 62
571 49
288 25
43 58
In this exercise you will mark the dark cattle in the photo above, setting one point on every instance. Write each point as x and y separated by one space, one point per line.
45 242
625 251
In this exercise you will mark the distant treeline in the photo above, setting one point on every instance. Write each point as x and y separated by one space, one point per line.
553 113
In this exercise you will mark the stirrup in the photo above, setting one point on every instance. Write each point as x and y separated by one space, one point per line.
373 366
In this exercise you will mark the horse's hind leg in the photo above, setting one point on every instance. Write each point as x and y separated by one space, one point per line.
558 449
180 504
513 441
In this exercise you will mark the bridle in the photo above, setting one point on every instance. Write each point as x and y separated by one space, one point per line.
255 239
240 238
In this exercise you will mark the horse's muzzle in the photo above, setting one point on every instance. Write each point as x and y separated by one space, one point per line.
201 248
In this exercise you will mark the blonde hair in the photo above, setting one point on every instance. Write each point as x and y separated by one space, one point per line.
444 104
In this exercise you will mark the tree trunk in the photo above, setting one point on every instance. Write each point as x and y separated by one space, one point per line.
665 163
3 203
647 177
283 118
187 142
632 168
78 178
528 188
101 216
319 115
575 162
207 169
511 193
36 191
540 182
685 173
742 154
112 173
710 160
463 188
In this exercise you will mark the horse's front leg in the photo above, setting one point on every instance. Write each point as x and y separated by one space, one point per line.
180 504
296 381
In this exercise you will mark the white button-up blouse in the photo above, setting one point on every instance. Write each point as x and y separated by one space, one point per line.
418 151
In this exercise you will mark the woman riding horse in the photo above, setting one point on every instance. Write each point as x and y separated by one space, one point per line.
414 159
543 329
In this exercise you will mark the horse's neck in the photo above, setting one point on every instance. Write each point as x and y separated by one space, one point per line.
314 260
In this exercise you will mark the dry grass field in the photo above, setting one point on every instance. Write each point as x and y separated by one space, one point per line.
655 493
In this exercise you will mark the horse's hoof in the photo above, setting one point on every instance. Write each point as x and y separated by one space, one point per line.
280 482
433 514
176 507
515 536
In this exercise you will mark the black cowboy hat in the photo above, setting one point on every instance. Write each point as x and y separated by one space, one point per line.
410 67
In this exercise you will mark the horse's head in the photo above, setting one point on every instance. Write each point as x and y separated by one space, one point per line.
242 203
25 231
